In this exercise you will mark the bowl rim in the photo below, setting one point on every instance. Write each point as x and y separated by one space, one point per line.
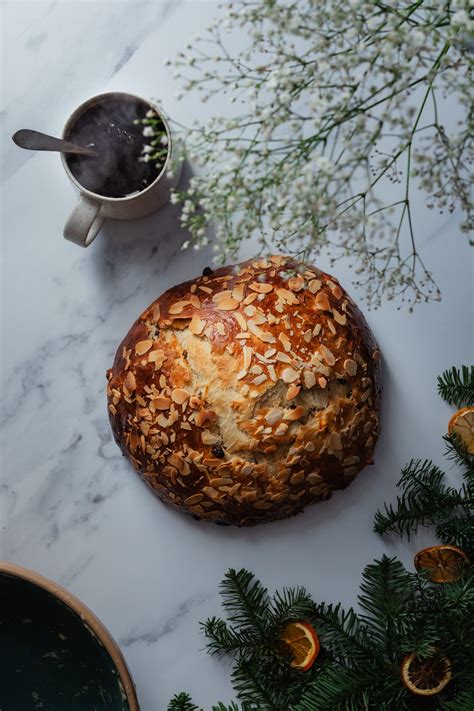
86 616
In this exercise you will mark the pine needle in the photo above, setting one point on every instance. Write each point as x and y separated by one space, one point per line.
457 386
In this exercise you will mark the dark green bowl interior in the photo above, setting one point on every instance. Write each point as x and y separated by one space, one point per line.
49 658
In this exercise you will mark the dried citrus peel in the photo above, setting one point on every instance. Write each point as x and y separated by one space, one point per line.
303 642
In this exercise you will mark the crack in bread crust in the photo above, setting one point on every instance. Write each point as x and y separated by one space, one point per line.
244 395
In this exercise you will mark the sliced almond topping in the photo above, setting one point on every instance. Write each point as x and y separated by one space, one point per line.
161 403
210 492
256 369
163 421
322 301
314 286
221 295
248 352
314 478
267 337
178 307
281 430
339 318
296 283
195 301
283 338
112 409
220 328
272 373
259 318
287 296
264 336
309 379
308 335
270 352
130 382
309 447
143 347
273 415
283 358
196 325
227 304
205 289
327 354
245 390
209 438
204 416
289 375
238 292
179 396
249 299
336 290
317 329
247 469
350 366
335 441
261 287
322 382
293 415
350 461
259 379
157 357
194 499
292 391
241 321
250 311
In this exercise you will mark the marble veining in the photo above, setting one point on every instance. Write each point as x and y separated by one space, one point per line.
71 507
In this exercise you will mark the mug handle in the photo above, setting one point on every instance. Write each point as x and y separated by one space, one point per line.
84 222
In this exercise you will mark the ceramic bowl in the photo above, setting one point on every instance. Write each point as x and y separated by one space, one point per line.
55 654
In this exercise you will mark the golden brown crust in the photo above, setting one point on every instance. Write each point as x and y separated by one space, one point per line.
248 393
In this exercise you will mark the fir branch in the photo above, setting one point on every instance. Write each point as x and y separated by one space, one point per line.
182 702
223 639
290 604
424 500
457 386
386 593
331 693
255 687
359 664
458 454
345 638
246 601
458 531
464 701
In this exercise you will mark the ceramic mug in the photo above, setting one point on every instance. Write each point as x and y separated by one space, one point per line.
91 209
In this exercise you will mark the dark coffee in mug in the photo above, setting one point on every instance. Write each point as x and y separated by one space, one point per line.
131 141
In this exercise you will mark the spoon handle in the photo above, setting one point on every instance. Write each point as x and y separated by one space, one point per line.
37 141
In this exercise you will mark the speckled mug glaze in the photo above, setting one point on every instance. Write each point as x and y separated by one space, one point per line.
55 653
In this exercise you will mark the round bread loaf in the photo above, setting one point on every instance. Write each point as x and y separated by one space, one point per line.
248 393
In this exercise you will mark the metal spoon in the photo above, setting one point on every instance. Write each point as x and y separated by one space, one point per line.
37 141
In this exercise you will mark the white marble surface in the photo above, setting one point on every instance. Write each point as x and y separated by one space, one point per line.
71 507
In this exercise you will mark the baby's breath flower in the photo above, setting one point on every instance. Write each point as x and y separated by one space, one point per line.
339 99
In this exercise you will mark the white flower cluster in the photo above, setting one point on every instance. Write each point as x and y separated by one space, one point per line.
332 106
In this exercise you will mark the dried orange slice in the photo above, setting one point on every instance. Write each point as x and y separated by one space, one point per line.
443 563
303 642
426 677
462 425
